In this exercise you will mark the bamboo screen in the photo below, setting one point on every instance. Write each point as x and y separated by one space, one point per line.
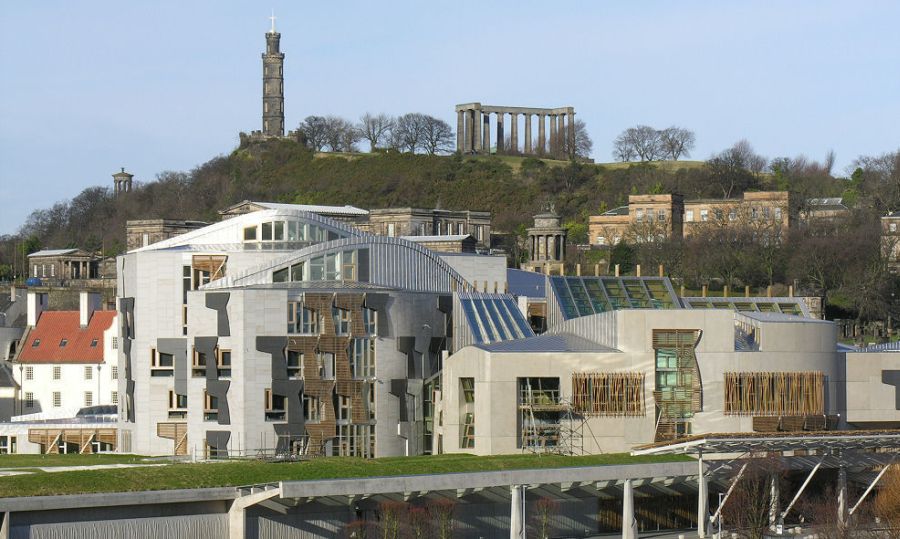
774 393
608 393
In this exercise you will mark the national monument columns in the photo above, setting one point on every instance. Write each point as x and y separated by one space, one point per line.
473 126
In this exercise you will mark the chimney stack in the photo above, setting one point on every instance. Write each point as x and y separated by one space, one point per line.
88 302
37 302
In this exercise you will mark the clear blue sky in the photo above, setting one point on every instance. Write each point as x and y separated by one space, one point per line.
90 86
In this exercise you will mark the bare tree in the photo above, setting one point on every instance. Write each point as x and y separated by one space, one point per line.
583 143
340 135
436 136
676 142
314 129
375 128
746 157
641 141
407 134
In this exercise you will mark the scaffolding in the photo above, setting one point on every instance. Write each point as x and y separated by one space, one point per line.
548 423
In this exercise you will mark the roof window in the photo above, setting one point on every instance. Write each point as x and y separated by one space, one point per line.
94 343
35 343
63 343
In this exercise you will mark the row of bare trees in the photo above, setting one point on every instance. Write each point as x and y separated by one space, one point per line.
412 132
645 143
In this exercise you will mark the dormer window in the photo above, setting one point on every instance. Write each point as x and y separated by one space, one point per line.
63 343
35 343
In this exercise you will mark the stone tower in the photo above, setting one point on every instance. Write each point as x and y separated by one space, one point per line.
122 182
273 85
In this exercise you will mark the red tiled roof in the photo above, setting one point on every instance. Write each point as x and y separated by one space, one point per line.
54 326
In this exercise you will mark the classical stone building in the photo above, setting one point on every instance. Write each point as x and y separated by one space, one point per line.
58 266
648 217
430 222
143 232
473 130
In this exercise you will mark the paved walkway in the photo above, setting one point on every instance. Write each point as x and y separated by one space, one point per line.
4 472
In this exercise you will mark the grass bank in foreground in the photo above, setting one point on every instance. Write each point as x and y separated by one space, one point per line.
234 473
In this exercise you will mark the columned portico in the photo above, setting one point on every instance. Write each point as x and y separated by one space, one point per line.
473 126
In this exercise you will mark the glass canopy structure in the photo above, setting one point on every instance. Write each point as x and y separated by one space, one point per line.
584 296
493 318
794 306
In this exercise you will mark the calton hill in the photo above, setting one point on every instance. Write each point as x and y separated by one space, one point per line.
842 260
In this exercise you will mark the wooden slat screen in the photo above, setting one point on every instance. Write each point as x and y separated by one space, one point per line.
608 393
774 393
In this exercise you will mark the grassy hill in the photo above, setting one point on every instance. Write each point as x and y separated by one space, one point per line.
513 188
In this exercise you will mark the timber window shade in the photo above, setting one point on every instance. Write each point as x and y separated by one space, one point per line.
774 393
608 393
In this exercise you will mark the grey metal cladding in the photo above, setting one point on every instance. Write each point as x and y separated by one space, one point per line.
398 389
218 301
285 431
407 346
178 348
292 391
363 268
379 302
219 390
207 346
129 396
445 304
274 346
218 438
126 308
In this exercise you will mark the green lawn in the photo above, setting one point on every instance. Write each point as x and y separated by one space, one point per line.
233 473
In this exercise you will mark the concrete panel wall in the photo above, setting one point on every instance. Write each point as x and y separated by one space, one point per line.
205 520
873 379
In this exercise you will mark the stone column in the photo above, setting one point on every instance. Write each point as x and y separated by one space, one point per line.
476 130
629 524
560 136
500 140
571 133
460 130
553 146
528 144
467 143
513 133
702 499
546 247
516 516
486 143
541 139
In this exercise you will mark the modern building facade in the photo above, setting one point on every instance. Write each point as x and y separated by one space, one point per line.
281 330
626 363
